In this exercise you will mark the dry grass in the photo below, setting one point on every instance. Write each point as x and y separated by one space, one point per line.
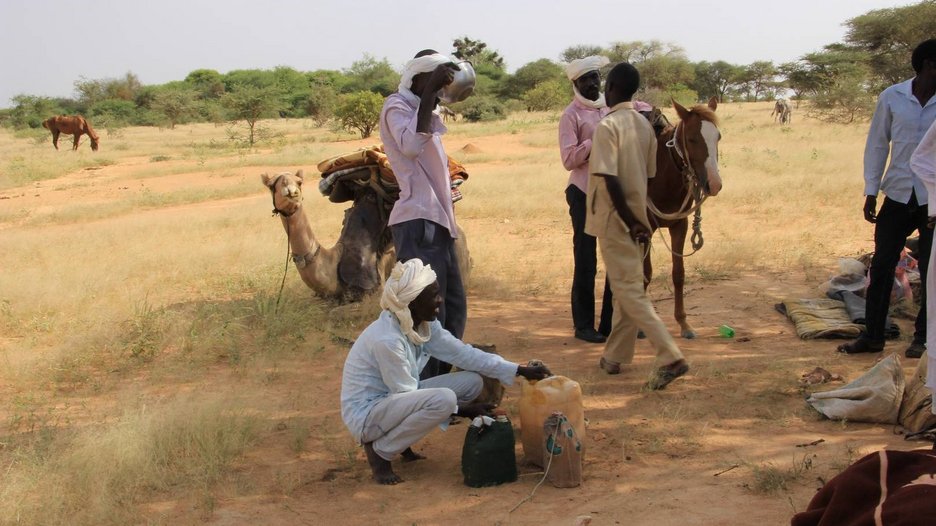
140 288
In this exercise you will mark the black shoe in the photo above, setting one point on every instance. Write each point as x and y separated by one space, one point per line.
915 350
590 335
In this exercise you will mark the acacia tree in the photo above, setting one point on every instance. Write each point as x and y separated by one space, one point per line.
250 104
714 79
175 104
580 51
360 111
888 36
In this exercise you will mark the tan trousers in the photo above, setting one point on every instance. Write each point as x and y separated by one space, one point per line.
632 308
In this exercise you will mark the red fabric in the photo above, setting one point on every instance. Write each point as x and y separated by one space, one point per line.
852 497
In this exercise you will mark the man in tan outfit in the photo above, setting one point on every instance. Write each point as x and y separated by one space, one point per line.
623 157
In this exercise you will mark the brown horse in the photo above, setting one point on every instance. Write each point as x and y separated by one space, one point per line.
686 174
71 125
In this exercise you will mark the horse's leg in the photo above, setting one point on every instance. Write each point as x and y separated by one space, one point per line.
75 143
55 136
678 239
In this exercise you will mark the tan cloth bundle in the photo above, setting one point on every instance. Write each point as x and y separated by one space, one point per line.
374 155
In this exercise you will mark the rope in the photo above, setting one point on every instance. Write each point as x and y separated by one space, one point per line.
546 472
285 271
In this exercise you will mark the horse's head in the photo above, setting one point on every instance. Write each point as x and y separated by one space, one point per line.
286 189
47 124
697 138
94 142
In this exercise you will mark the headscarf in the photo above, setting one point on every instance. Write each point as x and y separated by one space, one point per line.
406 281
581 66
423 64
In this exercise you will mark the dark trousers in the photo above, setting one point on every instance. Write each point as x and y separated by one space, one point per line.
432 243
895 221
584 252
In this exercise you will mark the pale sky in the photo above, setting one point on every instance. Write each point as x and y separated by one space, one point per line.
46 45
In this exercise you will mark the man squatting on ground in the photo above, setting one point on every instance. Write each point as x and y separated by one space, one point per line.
923 164
623 158
904 112
383 403
575 142
423 219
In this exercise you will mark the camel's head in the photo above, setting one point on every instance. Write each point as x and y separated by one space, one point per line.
286 189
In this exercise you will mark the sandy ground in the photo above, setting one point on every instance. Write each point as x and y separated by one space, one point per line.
686 455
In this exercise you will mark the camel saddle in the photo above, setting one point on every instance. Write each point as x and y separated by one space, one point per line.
370 166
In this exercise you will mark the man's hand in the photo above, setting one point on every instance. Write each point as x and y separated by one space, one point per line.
442 76
639 232
474 410
870 209
534 372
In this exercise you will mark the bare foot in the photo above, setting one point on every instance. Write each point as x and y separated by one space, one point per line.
411 456
382 471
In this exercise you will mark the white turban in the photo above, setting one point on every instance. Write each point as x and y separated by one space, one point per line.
581 66
424 64
406 281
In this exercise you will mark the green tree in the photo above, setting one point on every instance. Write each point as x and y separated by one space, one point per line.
530 76
29 111
481 108
360 111
580 51
478 53
758 78
250 104
888 36
370 74
175 104
714 79
208 83
549 95
838 81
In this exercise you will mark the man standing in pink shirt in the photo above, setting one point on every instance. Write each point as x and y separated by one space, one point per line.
423 219
575 140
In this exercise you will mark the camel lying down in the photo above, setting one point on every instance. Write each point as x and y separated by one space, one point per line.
363 256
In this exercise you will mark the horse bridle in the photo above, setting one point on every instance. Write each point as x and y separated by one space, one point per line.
693 181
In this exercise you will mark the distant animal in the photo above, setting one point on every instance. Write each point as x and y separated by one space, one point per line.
686 175
782 111
72 125
447 113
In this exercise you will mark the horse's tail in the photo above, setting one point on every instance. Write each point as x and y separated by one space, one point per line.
91 133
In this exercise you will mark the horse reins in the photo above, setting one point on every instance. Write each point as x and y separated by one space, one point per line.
695 193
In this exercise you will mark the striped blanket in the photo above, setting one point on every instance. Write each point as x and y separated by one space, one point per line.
894 488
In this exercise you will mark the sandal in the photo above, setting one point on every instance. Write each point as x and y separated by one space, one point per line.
861 345
665 375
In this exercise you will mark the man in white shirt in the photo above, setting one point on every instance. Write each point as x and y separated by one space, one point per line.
384 404
903 114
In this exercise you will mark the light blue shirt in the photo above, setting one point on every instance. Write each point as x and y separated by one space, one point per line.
898 124
382 362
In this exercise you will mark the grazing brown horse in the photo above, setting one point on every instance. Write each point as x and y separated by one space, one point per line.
71 125
686 174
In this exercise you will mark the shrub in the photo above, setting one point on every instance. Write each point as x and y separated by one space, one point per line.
360 111
479 109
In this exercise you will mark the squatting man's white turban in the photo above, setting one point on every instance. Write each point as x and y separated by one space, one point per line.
424 64
581 66
406 281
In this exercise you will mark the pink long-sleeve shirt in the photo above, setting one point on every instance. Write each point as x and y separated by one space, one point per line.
576 127
419 163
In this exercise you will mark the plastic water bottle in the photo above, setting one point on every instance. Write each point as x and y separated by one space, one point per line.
726 331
